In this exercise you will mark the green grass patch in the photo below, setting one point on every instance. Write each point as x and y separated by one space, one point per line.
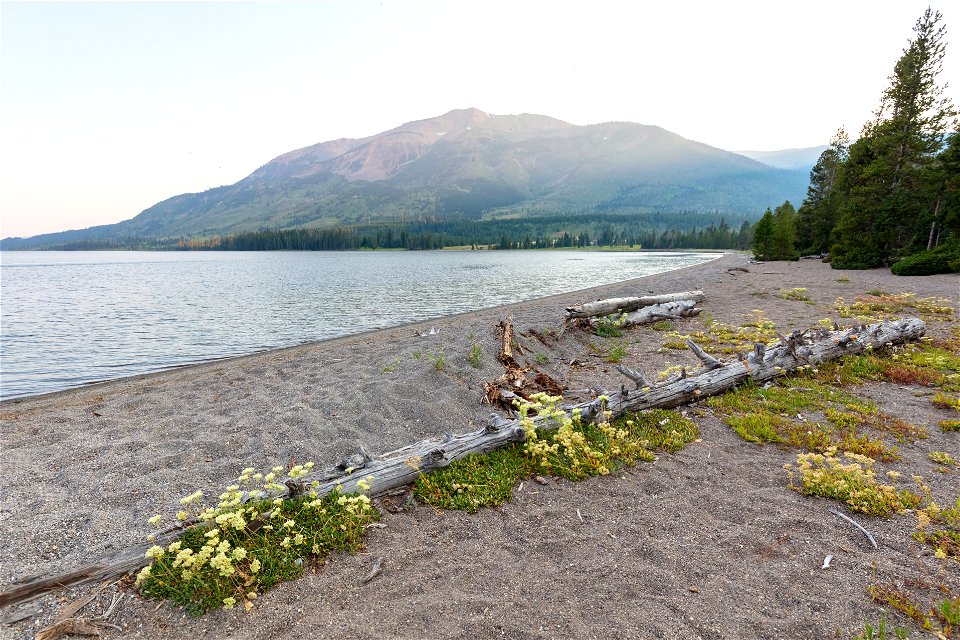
759 427
476 356
946 401
776 414
610 326
926 364
943 458
941 618
478 480
574 450
661 429
879 305
616 353
882 632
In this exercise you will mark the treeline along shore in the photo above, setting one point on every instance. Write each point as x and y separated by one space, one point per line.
647 231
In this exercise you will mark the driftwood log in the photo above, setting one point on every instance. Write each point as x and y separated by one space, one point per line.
663 311
625 305
401 467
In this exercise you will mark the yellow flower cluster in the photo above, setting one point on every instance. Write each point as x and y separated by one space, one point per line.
562 446
853 482
224 553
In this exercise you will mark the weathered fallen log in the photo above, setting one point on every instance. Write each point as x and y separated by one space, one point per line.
398 468
624 305
664 311
517 381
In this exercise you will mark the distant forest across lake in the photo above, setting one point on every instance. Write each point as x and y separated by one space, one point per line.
648 231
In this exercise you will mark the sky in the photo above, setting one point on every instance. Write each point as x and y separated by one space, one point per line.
107 108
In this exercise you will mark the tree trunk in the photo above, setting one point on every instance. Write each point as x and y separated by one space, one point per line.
665 311
623 305
933 225
401 467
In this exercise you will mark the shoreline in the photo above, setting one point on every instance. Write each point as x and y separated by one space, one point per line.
85 468
366 333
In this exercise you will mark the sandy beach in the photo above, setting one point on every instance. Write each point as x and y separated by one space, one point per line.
705 543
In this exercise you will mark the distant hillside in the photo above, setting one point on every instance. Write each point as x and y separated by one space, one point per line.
467 164
794 159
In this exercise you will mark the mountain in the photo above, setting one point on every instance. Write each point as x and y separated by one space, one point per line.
794 159
467 164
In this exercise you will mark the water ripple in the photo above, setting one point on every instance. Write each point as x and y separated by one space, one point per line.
71 318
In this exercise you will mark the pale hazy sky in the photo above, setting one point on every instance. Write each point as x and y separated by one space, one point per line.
108 108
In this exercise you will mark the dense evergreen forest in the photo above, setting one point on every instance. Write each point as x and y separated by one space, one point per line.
892 197
648 231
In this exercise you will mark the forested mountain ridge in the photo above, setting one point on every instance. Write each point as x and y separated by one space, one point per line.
471 165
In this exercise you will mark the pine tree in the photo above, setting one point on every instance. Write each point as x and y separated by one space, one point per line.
883 205
774 236
763 236
817 215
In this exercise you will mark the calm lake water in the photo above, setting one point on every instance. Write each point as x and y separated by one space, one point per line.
67 319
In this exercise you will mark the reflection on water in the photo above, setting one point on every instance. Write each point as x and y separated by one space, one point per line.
71 318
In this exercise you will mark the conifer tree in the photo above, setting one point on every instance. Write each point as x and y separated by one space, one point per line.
884 201
818 214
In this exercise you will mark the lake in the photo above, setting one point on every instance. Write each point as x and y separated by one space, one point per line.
70 318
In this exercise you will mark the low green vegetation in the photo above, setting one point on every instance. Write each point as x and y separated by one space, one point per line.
797 293
943 458
439 359
475 481
940 617
241 549
882 632
940 529
850 479
610 326
946 401
949 425
616 353
930 364
476 356
788 415
879 305
720 338
572 448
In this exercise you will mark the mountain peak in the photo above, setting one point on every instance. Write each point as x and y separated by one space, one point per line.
383 155
472 164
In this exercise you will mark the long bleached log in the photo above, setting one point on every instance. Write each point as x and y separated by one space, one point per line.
663 311
402 466
625 305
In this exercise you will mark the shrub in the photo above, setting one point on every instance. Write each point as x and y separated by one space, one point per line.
943 259
852 482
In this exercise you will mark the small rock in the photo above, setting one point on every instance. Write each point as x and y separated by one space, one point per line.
540 480
694 589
